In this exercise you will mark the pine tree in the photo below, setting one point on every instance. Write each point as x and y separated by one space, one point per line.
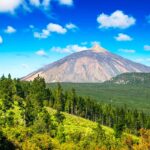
59 98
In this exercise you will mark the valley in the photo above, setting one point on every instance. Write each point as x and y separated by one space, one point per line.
134 94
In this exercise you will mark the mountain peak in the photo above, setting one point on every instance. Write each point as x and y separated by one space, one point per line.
97 48
93 65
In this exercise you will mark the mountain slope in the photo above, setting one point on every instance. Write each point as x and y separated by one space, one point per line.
132 96
94 65
75 133
141 79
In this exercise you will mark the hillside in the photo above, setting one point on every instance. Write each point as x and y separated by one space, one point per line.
130 89
77 124
28 122
134 79
73 133
94 65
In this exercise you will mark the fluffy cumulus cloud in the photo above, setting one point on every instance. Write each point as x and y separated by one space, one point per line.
66 2
116 20
9 5
35 3
43 35
38 3
127 50
69 49
56 28
93 43
46 3
1 40
147 47
123 37
41 53
51 28
10 30
71 26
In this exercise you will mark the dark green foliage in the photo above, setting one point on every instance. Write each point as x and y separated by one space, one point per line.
109 115
59 98
59 117
100 134
35 98
22 104
131 95
42 123
35 94
5 144
118 128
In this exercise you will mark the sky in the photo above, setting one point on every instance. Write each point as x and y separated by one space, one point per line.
34 33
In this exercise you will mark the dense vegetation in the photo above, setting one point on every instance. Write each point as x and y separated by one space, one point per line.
130 89
136 79
27 121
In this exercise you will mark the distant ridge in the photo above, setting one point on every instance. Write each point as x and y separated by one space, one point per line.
141 79
93 65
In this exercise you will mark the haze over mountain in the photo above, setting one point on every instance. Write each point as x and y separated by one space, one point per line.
93 65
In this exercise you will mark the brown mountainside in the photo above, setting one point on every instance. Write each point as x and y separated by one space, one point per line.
93 65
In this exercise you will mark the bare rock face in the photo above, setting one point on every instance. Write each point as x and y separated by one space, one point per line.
93 65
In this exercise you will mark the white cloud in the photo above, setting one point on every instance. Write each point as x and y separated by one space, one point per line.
9 5
123 37
116 20
127 50
91 44
35 3
51 27
45 34
46 3
71 26
1 40
66 2
41 53
147 47
69 49
38 3
95 43
10 30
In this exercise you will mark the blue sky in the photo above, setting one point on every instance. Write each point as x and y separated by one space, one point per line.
34 33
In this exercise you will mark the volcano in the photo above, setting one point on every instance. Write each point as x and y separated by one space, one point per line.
93 65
